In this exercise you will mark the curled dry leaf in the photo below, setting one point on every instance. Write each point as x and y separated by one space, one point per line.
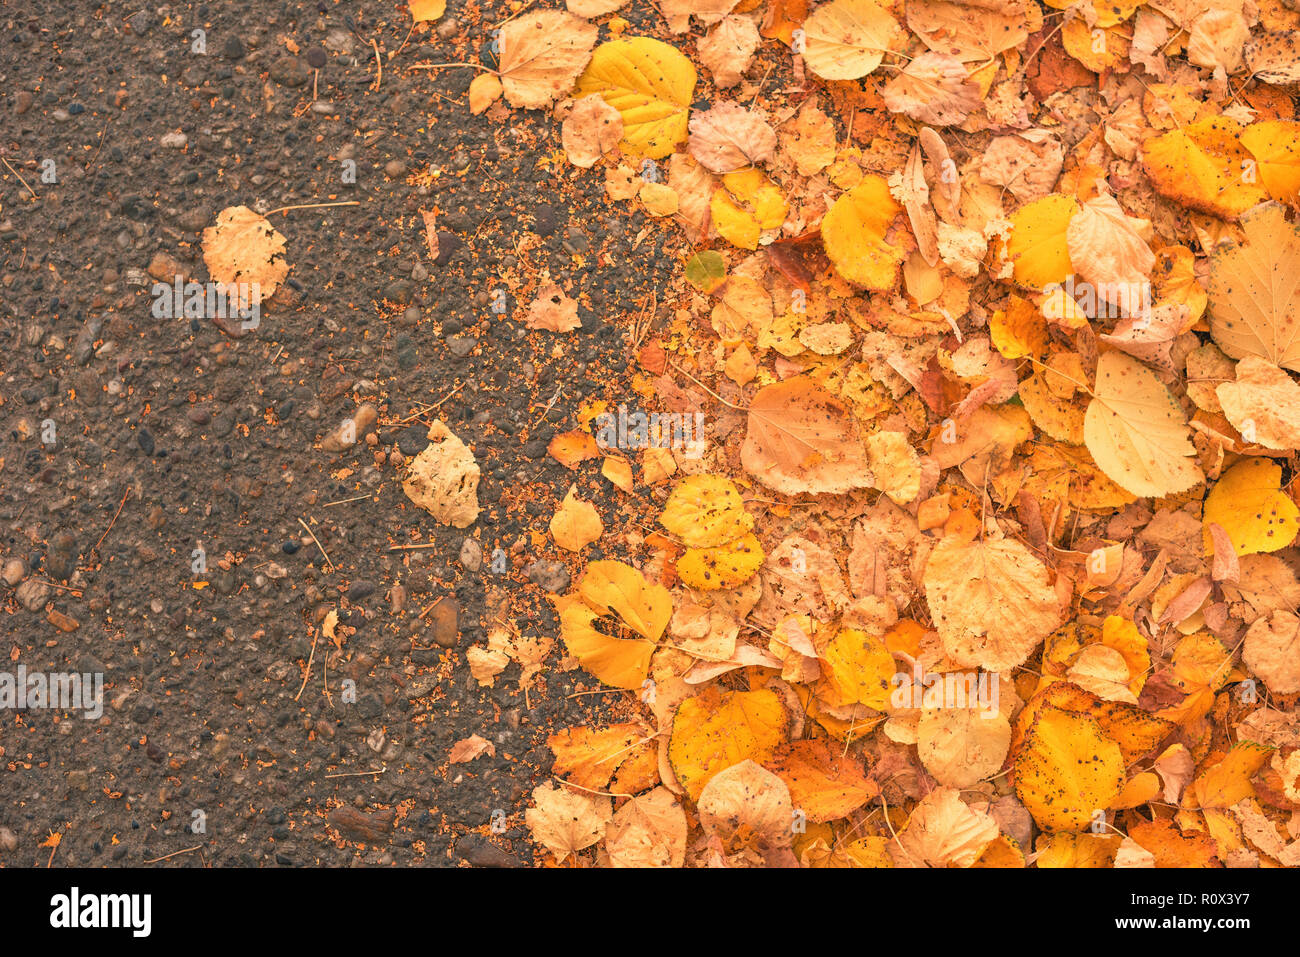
801 439
246 253
1263 404
648 831
727 50
470 748
943 831
542 53
729 137
443 479
1272 651
992 602
566 821
934 89
552 310
746 806
430 232
591 130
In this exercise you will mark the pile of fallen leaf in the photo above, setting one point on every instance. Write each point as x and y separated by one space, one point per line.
993 310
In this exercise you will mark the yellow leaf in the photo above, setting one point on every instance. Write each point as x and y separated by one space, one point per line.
1200 167
1137 791
1136 431
722 566
651 84
747 204
1275 144
1066 769
1038 247
612 587
705 511
718 729
1248 502
1175 280
1135 731
847 39
1255 290
589 756
620 662
825 782
1122 635
857 668
422 10
484 90
1077 850
576 524
991 601
621 589
1019 330
618 471
853 234
1228 781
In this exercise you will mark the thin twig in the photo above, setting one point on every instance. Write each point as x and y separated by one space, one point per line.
284 209
411 548
102 134
379 65
310 659
344 501
318 544
354 774
20 177
114 521
442 66
175 854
